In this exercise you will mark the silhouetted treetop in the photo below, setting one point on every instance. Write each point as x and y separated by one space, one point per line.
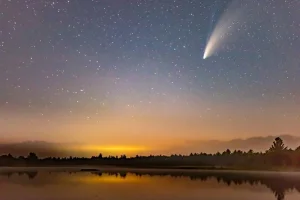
277 145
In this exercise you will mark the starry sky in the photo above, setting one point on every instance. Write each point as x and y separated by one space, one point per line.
131 73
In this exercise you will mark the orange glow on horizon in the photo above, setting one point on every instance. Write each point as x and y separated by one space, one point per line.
112 149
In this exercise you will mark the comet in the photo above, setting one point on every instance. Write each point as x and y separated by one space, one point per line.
224 29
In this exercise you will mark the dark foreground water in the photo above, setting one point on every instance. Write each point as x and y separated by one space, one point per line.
71 184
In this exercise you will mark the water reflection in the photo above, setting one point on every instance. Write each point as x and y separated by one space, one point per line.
279 183
29 174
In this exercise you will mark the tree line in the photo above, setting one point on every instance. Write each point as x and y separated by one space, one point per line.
277 156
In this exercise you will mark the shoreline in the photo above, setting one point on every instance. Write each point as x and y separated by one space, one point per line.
104 169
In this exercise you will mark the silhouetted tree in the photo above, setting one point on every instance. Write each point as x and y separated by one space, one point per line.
278 153
277 146
32 157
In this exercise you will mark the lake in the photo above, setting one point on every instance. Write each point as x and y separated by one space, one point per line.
134 184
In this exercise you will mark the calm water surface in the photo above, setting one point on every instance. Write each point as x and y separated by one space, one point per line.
52 184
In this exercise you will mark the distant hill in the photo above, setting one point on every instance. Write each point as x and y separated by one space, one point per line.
254 143
43 149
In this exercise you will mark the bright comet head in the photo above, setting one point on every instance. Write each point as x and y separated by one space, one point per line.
205 54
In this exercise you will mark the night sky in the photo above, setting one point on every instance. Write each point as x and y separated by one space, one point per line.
131 73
